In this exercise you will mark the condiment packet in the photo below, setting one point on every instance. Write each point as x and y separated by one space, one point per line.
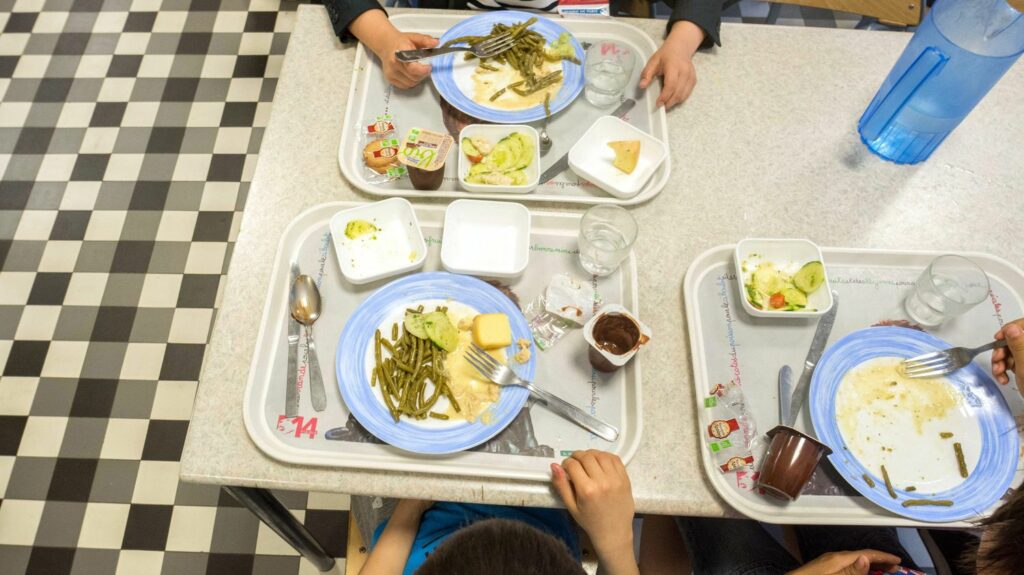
378 138
731 433
584 8
549 322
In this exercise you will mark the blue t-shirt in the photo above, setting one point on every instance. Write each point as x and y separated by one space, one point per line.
443 519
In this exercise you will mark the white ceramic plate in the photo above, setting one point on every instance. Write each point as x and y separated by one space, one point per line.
591 158
494 133
788 255
397 247
490 239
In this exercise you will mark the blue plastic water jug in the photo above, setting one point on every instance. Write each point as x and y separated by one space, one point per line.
958 53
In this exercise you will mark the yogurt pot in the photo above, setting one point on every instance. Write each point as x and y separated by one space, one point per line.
614 335
789 463
424 152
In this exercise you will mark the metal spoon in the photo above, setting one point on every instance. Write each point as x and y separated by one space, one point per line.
304 301
545 141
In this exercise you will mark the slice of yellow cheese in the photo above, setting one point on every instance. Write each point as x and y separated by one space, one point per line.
627 152
492 330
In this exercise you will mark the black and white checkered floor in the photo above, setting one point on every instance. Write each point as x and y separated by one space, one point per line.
129 131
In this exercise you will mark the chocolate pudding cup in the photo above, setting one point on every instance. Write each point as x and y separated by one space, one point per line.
616 337
791 460
424 153
428 180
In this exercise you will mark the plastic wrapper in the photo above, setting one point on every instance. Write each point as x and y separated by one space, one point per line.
378 138
731 434
566 304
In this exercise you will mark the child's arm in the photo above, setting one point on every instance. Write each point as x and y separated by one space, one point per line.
389 555
595 488
694 24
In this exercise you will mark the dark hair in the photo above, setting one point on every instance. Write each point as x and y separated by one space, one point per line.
1000 552
500 547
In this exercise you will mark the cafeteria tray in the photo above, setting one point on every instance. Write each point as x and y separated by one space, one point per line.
727 344
371 95
523 451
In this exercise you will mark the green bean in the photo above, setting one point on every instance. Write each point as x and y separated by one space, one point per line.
922 502
394 331
910 489
888 484
868 480
961 463
437 415
390 347
945 434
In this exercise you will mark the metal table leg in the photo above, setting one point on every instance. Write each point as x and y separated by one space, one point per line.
264 505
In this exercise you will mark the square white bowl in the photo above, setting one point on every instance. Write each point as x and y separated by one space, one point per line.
397 247
489 239
788 255
494 133
591 158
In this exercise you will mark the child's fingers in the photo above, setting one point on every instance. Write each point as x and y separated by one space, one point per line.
561 482
422 40
650 71
577 475
590 463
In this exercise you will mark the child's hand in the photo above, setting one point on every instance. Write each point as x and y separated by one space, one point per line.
1010 357
373 29
405 74
674 63
595 488
849 563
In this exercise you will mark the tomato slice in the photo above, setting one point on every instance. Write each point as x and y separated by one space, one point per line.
777 300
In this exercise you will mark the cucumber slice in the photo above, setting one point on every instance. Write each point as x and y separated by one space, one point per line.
810 277
414 324
440 330
794 297
470 150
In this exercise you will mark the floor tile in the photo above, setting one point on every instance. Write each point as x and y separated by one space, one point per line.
191 528
19 520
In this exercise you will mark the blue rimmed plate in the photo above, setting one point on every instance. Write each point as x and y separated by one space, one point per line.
386 306
453 76
906 438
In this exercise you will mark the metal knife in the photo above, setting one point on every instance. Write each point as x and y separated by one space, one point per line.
785 392
813 355
562 163
291 396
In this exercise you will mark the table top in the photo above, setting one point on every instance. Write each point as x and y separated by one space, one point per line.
766 146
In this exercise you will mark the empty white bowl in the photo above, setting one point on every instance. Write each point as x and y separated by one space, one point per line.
788 255
396 247
591 158
490 239
494 133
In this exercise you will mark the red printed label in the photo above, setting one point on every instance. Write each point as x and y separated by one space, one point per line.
297 426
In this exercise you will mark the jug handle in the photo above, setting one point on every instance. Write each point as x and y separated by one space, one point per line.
875 121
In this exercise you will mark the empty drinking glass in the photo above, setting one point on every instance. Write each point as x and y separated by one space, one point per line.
607 234
948 287
609 68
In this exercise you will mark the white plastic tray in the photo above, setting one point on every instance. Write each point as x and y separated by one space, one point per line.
522 451
371 95
729 344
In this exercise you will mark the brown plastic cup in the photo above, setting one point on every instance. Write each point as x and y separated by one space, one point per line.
791 460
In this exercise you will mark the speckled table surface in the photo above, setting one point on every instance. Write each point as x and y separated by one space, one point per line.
766 146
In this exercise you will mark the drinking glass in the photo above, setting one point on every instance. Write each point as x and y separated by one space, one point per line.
609 66
607 234
948 287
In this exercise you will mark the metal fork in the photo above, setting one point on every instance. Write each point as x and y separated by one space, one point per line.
946 361
484 49
503 375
